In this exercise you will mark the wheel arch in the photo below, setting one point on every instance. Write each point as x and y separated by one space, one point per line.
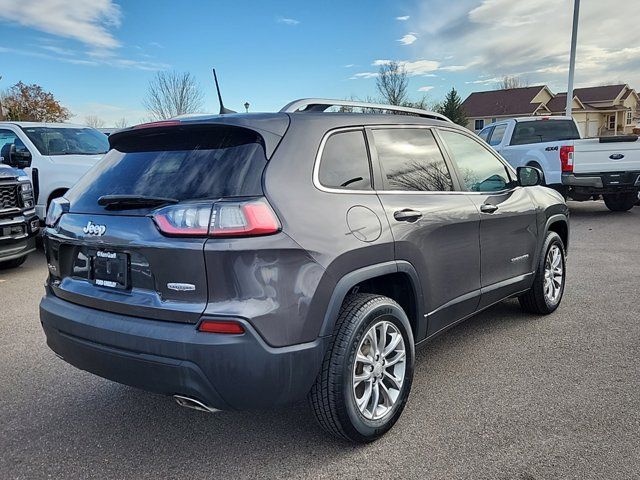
560 225
58 192
399 277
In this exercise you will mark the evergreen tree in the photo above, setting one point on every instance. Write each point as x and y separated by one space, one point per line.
452 108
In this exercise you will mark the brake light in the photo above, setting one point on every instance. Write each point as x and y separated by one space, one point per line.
160 123
217 326
221 219
566 158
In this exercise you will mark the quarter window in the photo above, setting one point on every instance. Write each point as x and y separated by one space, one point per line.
411 160
480 170
345 162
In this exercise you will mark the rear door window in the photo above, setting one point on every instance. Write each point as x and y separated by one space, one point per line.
411 160
541 131
185 163
344 164
497 135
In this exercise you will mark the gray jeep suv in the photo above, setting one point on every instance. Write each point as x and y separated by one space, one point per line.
251 260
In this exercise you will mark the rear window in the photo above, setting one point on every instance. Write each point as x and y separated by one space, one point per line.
185 163
541 131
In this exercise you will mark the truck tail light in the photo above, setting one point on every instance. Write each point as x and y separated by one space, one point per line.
566 158
222 219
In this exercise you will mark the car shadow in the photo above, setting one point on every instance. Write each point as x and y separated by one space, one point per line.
117 421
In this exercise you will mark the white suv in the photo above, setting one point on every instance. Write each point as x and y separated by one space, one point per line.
55 155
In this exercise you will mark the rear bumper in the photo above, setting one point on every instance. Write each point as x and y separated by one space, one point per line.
222 371
602 183
16 245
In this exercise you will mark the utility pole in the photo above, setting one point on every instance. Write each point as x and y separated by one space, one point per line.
572 58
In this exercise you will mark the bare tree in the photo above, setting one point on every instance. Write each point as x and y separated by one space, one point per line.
512 81
170 94
122 123
93 121
392 83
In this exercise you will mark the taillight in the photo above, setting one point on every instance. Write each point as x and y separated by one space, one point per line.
566 158
217 326
222 219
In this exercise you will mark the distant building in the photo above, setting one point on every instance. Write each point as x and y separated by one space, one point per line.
599 111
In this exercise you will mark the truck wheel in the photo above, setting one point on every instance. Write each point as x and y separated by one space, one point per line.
545 294
15 263
620 202
367 371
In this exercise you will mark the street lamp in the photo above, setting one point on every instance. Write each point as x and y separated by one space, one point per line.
572 57
246 106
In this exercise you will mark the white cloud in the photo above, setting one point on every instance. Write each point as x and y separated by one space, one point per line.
454 68
357 76
349 65
408 39
425 88
288 21
494 38
87 21
417 67
404 18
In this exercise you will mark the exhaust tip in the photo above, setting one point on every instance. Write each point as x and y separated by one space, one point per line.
192 403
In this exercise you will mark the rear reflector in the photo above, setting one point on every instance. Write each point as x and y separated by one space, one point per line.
217 326
566 158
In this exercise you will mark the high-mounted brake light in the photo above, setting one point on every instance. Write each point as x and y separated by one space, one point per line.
217 326
566 158
161 123
221 219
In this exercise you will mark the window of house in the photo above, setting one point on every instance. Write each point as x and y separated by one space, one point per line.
411 160
612 122
629 117
479 124
481 171
345 162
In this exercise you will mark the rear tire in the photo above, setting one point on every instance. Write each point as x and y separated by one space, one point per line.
547 290
355 365
620 202
15 263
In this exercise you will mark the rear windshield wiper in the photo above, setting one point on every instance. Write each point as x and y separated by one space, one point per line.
124 202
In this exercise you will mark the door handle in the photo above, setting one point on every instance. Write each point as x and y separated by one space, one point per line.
407 215
487 208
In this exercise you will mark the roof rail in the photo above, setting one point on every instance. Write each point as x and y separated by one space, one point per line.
322 104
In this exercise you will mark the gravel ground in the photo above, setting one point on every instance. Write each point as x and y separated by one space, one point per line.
504 395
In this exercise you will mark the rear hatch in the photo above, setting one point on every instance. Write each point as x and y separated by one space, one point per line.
108 251
595 156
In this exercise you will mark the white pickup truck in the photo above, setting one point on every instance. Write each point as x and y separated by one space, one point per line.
581 169
54 155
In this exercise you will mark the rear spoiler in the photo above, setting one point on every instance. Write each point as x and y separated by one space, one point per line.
619 138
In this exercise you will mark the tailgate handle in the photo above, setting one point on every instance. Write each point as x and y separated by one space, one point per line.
407 215
487 208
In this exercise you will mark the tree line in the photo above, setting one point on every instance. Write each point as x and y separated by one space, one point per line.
170 94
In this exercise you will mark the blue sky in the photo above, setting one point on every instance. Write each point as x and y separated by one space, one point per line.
97 56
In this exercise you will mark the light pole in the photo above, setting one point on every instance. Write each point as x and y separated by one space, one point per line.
246 106
572 57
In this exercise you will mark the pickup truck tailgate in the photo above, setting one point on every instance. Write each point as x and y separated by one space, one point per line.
592 156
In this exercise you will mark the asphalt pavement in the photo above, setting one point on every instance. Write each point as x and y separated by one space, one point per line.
504 395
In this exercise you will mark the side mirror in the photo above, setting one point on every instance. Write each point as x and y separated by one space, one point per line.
19 158
529 176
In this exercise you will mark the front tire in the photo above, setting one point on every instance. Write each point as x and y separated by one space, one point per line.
367 371
620 202
547 290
